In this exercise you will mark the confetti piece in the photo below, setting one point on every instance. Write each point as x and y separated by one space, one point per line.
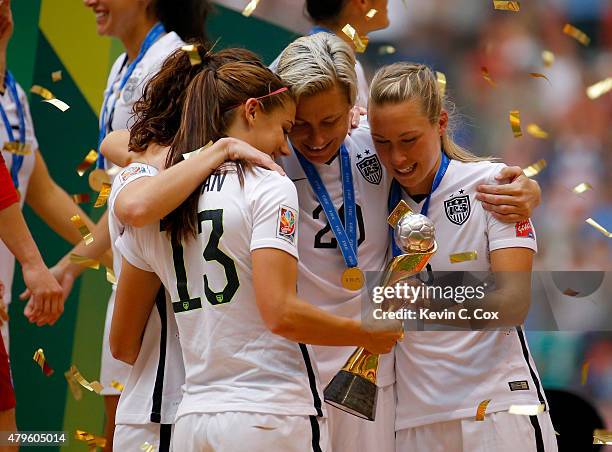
386 50
81 198
39 358
89 160
42 92
371 13
84 261
507 6
535 168
577 34
197 151
118 386
63 106
482 408
526 410
94 386
75 389
360 42
83 229
194 55
515 123
535 131
463 257
104 194
110 276
601 436
147 447
582 187
599 88
584 373
557 433
91 440
570 292
599 227
248 9
441 80
548 58
539 75
485 74
56 76
17 148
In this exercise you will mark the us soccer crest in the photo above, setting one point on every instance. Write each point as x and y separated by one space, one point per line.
458 209
370 168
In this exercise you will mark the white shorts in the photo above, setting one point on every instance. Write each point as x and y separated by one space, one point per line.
255 432
131 437
351 433
499 432
111 368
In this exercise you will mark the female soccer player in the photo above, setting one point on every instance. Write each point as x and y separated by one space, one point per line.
443 376
228 258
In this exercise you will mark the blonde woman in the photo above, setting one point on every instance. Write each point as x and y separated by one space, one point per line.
442 376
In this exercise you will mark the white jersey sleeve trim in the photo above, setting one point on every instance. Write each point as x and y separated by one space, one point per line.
130 247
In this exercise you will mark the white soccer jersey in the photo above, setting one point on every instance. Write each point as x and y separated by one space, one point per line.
152 392
7 260
321 264
444 375
232 361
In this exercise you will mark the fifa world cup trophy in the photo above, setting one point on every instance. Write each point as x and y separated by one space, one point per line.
354 389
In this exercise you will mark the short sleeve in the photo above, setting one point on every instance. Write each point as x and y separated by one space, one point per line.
131 245
127 175
8 193
275 212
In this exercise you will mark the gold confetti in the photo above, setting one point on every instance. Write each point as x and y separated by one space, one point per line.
539 75
89 160
248 9
194 55
83 229
485 74
197 151
42 92
92 441
94 386
97 179
17 148
599 227
371 13
63 106
515 123
570 292
56 76
582 187
482 408
526 410
441 80
535 168
463 257
535 131
110 276
147 447
39 358
118 386
599 88
386 50
601 436
577 34
104 194
507 6
77 393
81 198
584 373
84 261
360 42
548 58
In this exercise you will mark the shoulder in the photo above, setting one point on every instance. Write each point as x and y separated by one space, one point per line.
480 172
116 67
262 178
162 49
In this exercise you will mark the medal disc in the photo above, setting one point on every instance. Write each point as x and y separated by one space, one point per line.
96 178
353 279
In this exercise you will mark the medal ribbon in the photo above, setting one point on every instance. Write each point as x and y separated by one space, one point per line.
108 111
345 235
396 194
319 29
17 159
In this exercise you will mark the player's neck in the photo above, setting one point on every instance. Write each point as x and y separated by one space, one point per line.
424 187
132 41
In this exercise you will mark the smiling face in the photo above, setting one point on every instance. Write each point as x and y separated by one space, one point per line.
407 142
114 17
321 124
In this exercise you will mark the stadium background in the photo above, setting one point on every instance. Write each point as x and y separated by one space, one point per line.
457 37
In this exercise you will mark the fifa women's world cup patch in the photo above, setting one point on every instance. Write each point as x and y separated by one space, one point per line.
524 229
131 171
287 224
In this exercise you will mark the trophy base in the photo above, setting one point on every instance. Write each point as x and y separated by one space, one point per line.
352 393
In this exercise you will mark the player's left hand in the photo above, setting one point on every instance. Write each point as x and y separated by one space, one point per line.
513 199
355 116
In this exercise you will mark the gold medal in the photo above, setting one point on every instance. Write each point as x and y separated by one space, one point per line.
97 178
352 278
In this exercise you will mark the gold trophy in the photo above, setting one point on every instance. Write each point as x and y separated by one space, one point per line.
354 389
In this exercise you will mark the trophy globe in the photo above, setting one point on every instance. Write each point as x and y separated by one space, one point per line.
415 233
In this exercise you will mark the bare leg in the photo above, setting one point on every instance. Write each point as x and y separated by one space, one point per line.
110 408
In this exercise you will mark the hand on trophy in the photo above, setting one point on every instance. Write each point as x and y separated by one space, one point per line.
382 341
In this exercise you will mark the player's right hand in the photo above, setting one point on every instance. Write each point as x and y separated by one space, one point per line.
382 341
46 304
236 149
